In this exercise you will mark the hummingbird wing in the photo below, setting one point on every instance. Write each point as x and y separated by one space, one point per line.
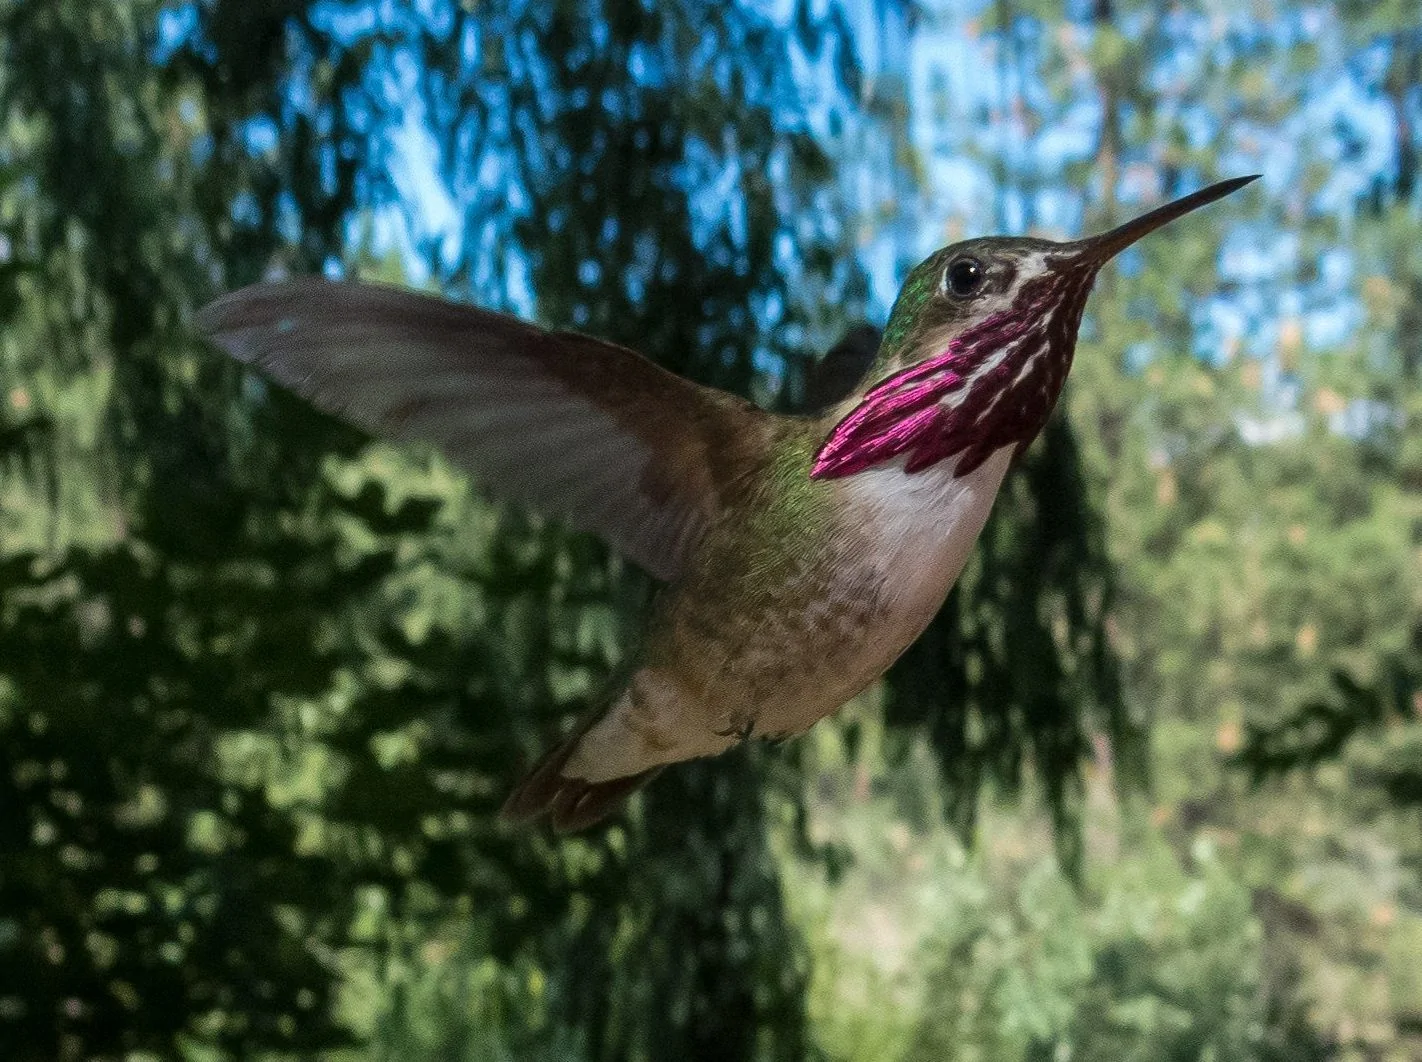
565 423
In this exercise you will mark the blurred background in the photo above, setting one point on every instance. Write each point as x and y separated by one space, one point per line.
1149 787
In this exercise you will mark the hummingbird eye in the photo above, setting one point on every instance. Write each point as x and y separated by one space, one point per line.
964 276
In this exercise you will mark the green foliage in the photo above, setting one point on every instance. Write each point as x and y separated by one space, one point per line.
997 957
1164 969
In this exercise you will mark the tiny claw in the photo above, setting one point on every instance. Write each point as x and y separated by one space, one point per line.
742 732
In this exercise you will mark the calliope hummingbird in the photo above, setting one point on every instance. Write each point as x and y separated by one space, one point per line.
802 554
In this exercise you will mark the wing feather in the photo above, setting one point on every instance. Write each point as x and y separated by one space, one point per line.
563 422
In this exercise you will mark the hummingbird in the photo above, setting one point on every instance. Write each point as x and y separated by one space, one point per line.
801 554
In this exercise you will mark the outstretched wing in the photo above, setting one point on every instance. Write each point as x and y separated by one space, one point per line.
562 422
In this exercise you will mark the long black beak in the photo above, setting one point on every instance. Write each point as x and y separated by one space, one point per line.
1095 250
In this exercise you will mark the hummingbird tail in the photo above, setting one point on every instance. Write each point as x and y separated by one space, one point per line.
570 803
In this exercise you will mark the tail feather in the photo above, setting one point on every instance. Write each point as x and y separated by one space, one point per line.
570 803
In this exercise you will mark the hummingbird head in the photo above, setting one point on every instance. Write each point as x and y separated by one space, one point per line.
978 346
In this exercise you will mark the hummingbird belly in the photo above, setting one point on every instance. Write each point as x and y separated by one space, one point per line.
766 642
920 530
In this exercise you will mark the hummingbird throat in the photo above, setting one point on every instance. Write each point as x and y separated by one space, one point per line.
993 385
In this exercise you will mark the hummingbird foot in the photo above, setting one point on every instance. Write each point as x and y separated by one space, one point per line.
742 731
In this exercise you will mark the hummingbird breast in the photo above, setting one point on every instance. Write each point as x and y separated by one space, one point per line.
797 602
917 531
